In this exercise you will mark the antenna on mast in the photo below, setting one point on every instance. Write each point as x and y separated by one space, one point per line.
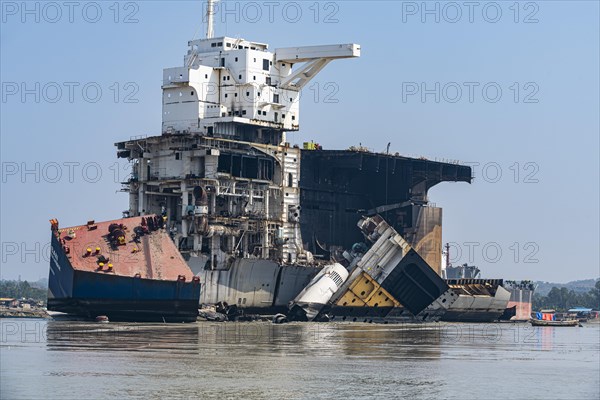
210 13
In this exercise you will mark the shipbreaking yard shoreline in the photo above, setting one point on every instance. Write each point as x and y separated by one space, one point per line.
224 210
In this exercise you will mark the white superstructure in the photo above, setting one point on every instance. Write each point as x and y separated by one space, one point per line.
239 89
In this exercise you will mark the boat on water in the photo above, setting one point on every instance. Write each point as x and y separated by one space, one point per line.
121 270
567 322
584 314
551 318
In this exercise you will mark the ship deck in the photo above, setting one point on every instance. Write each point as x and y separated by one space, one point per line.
150 255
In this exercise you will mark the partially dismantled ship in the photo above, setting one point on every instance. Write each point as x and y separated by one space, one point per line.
255 217
269 227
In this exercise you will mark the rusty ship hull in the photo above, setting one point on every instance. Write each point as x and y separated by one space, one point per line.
142 279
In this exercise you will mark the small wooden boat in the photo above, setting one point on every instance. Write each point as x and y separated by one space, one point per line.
566 322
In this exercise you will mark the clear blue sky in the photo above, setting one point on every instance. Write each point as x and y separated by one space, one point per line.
550 127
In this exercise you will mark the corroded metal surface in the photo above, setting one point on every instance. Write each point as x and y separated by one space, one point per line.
152 255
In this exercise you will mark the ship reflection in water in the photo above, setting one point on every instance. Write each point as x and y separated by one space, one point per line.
69 359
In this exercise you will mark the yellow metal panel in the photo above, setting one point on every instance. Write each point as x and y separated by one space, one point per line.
365 291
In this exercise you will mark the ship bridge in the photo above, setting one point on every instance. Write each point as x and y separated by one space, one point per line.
239 89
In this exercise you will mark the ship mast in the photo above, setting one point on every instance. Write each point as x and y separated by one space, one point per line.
210 13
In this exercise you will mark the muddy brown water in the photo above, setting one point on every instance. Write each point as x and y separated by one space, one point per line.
80 360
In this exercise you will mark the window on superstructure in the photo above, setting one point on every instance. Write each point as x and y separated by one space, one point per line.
265 65
229 45
236 59
220 44
275 98
213 45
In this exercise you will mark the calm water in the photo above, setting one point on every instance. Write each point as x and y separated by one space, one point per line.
75 360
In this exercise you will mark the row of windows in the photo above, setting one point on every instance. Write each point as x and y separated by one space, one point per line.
263 113
227 78
180 94
258 94
237 113
244 112
275 97
220 44
266 63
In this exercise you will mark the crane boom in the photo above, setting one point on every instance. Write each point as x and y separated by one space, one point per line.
310 53
315 59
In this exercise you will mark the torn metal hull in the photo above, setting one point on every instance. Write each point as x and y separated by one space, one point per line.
255 285
338 186
390 281
479 300
148 284
477 308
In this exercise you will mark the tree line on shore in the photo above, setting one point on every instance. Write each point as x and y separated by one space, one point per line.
20 289
562 299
